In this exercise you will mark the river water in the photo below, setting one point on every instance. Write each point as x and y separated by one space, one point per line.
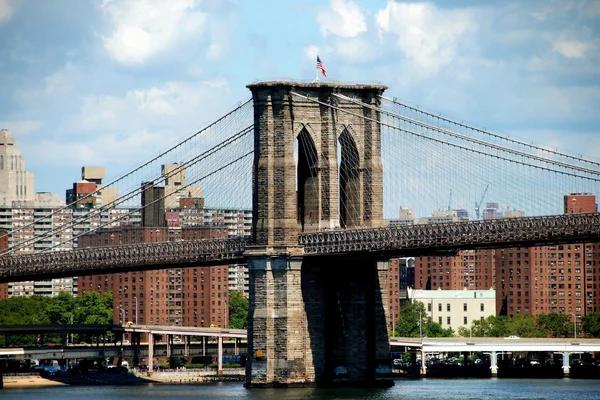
423 389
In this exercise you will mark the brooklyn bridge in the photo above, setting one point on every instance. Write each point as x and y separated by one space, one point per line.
324 167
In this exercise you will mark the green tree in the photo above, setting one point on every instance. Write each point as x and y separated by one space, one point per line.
523 325
60 308
412 321
433 329
238 310
93 308
591 325
554 324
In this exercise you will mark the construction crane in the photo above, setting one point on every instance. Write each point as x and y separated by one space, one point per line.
478 205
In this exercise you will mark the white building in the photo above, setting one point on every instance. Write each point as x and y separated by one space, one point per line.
55 229
16 184
456 308
238 278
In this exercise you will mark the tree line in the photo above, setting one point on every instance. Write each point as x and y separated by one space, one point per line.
90 308
414 322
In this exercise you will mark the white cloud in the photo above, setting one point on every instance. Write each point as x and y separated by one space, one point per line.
573 48
311 52
123 129
58 82
428 36
344 19
6 10
142 29
356 50
21 127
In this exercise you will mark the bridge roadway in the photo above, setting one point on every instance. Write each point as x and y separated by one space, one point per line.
389 241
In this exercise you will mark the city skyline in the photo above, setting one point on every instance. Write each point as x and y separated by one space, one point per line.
83 85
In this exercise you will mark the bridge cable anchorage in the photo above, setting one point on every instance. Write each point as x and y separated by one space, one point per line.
115 181
134 193
488 133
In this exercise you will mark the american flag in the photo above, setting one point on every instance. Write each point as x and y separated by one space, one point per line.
321 67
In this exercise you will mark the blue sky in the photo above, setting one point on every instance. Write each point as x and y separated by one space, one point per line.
112 82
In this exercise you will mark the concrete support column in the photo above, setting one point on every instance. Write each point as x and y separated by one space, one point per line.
566 364
203 345
380 303
135 342
278 352
494 363
220 355
186 342
423 366
169 345
150 352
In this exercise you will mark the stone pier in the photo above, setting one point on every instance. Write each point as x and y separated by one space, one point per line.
313 321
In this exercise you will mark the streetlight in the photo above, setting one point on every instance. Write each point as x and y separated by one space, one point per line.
136 304
420 323
122 315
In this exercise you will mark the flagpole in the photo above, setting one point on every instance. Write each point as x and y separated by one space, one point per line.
316 76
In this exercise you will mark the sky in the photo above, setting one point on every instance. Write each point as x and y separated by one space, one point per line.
113 82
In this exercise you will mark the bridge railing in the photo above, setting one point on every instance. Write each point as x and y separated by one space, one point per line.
114 258
504 232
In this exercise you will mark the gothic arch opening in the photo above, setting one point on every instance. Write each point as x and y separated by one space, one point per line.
349 178
307 182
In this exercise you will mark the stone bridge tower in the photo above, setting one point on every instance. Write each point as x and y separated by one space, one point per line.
317 166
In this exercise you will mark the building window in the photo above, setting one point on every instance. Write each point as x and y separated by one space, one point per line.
440 320
464 320
429 307
481 307
448 321
464 306
447 306
440 307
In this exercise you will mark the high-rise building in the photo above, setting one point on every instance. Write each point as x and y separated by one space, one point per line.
577 203
16 184
551 279
35 230
3 249
400 279
192 296
469 269
89 193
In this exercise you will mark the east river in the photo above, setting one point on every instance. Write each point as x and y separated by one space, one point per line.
423 389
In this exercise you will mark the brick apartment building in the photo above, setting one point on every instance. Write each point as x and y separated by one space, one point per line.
561 279
194 296
532 280
469 269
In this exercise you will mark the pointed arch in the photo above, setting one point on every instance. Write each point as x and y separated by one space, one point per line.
349 181
307 179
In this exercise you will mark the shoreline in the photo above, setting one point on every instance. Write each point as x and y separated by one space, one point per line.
130 379
24 382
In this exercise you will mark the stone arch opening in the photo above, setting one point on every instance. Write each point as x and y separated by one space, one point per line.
349 181
307 182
